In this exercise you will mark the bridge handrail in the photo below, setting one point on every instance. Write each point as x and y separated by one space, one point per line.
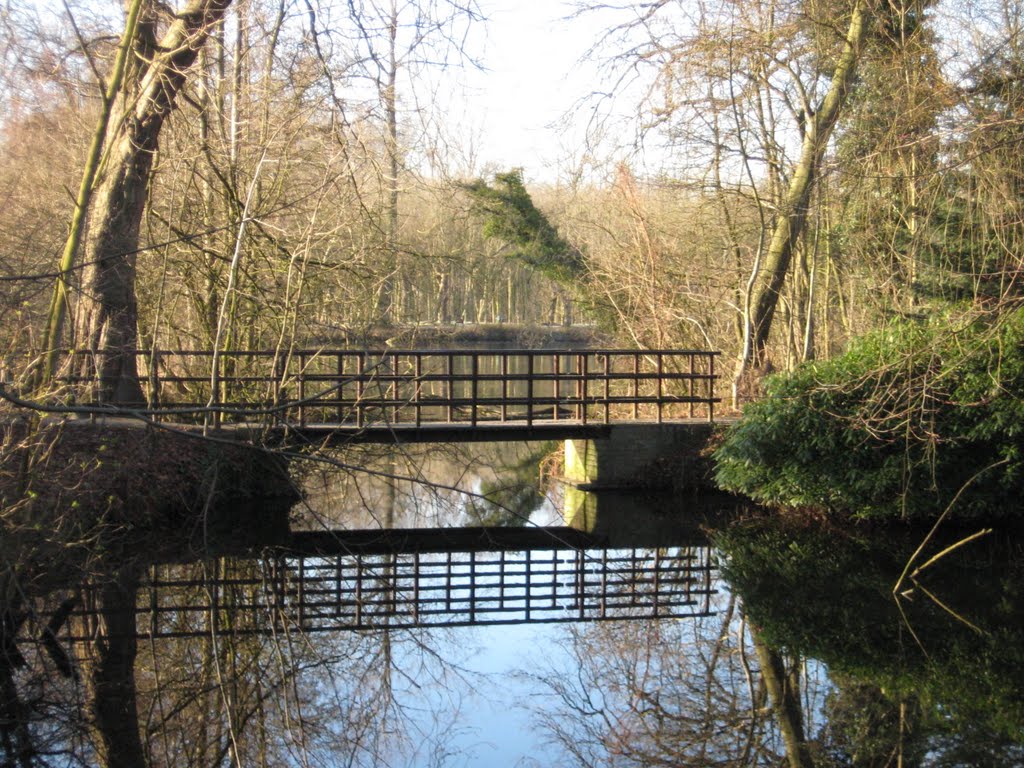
449 386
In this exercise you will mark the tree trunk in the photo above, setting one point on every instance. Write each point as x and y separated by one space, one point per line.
793 215
58 304
108 310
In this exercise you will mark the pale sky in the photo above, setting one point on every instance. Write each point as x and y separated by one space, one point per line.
533 76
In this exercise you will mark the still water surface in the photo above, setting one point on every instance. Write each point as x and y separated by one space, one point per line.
826 646
931 673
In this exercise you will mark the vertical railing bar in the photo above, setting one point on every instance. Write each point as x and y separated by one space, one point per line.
215 394
418 391
448 584
581 386
472 587
416 587
302 592
635 576
474 386
360 573
581 582
636 386
360 389
607 387
690 383
154 579
391 592
302 389
529 389
450 384
529 581
661 389
278 389
504 386
337 585
392 390
657 580
711 386
215 599
556 384
554 578
604 583
154 382
339 394
501 580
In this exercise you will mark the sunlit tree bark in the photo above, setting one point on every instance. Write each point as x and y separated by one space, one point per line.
108 308
792 217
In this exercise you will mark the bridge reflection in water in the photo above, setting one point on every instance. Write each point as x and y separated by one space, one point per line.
547 576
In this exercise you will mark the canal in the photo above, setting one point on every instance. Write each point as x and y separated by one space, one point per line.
822 644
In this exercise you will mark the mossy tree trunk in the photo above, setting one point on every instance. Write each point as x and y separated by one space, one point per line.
108 312
792 217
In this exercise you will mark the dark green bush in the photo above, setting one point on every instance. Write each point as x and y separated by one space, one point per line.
895 427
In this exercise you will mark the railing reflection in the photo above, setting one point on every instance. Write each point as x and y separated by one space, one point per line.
298 593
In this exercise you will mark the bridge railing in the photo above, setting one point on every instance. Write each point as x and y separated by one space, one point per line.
415 387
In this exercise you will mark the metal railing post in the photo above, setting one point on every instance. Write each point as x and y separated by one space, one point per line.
504 386
474 386
556 384
450 384
607 387
302 389
636 386
690 383
529 389
418 391
660 389
360 390
711 386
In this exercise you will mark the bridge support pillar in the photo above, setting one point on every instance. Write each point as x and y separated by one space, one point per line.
651 456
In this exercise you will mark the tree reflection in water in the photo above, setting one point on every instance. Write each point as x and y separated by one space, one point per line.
931 677
340 699
665 693
866 677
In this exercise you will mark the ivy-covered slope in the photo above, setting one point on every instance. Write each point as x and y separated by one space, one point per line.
897 426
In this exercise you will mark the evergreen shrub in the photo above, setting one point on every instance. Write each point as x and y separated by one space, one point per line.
908 418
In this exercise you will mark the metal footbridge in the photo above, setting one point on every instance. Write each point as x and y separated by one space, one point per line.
440 395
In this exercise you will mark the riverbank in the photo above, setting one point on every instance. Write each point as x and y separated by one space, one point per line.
77 496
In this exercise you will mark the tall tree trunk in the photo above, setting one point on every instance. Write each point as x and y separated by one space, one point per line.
58 304
793 214
389 308
109 313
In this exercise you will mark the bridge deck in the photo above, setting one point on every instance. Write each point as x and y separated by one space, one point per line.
458 432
